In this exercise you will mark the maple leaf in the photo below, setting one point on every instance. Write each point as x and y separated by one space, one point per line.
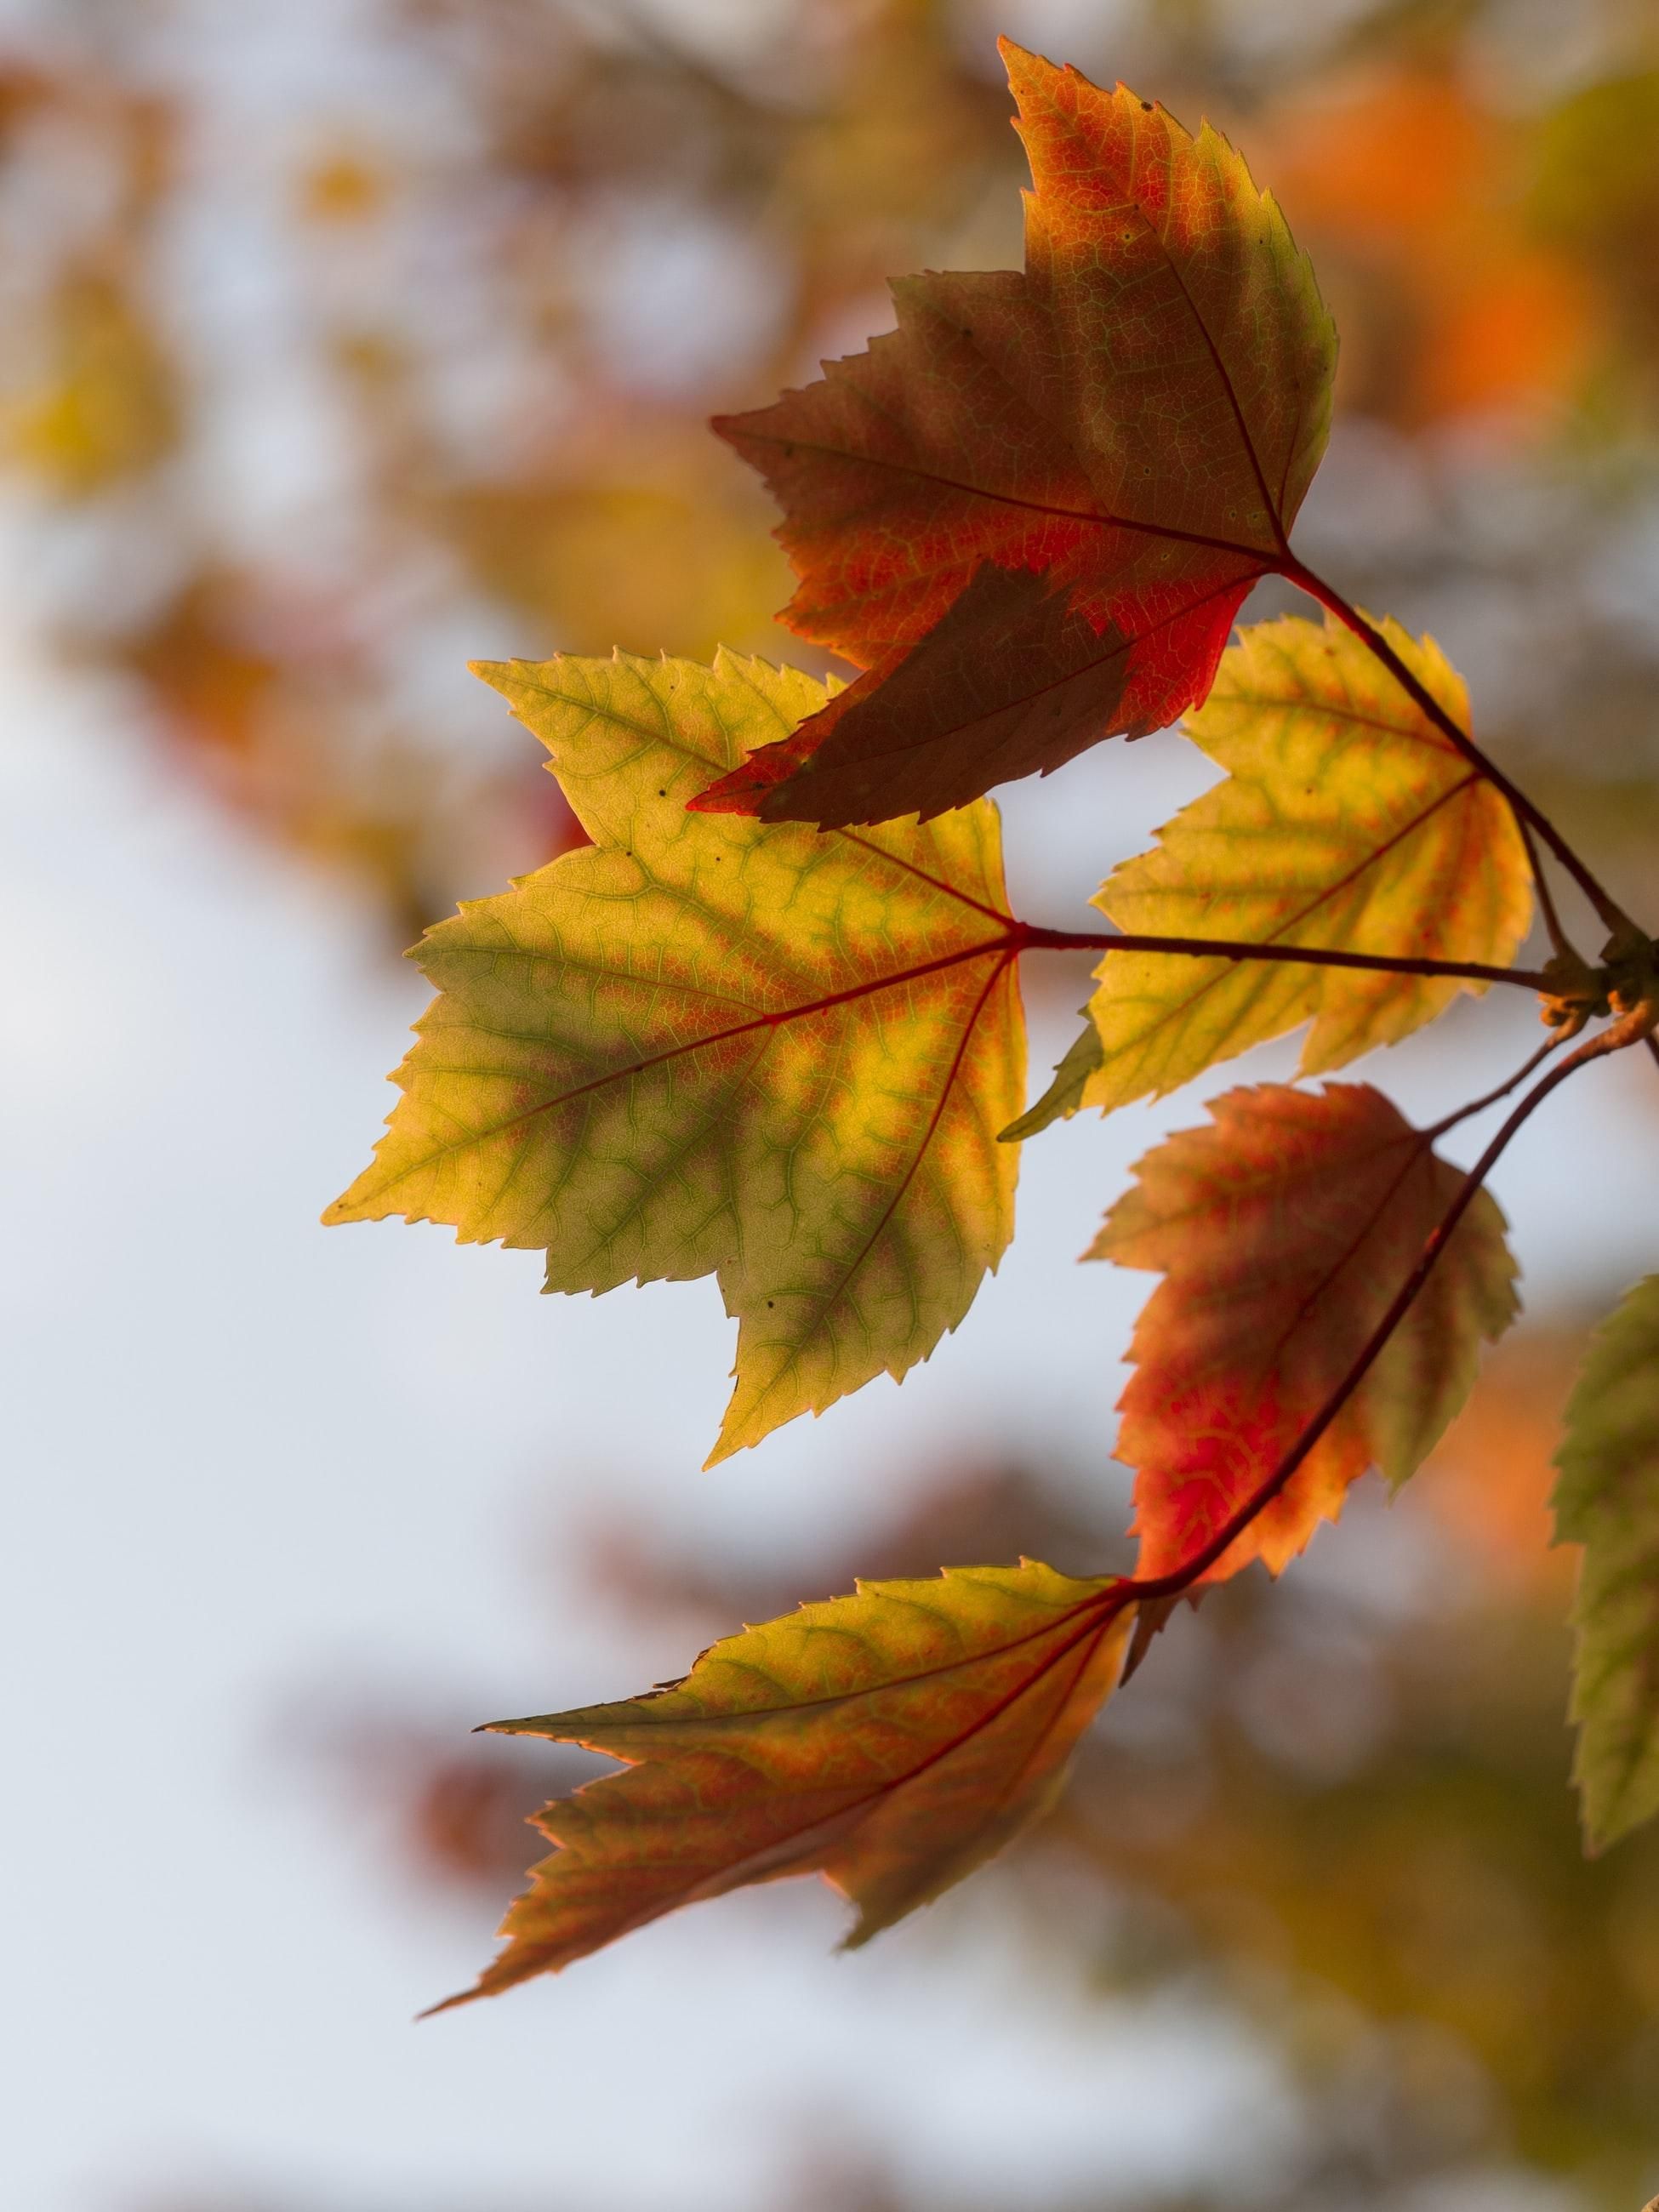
709 1046
1032 511
891 1742
1607 1500
1346 822
1283 1231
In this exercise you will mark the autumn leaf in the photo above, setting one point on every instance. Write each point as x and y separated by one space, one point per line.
1282 1233
708 1046
108 407
1032 511
1346 822
1607 1500
891 1742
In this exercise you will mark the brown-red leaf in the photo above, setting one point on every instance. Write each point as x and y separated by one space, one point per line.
891 1742
1032 511
1283 1233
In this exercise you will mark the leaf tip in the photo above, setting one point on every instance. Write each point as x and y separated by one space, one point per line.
346 1207
448 2004
725 1444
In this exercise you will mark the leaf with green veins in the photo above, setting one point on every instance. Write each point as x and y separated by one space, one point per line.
704 1045
1346 821
1607 1500
891 1742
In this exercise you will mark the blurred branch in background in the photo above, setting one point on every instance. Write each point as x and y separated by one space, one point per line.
316 390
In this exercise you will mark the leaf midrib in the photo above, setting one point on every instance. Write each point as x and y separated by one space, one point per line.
868 988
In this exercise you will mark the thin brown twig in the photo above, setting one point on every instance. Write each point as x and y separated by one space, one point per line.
1479 1105
1030 938
1559 941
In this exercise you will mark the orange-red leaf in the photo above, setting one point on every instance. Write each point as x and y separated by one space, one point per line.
1032 511
1283 1233
891 1741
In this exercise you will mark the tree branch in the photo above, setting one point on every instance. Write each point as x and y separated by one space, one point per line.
1489 1098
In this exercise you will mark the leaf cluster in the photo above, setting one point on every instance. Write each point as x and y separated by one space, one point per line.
766 1025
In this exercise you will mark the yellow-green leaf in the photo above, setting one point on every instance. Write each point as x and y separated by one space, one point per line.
1069 1090
891 1742
1345 821
705 1045
1607 1500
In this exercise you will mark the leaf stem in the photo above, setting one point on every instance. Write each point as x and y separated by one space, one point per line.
1628 1031
1295 572
1491 1098
1028 938
1560 943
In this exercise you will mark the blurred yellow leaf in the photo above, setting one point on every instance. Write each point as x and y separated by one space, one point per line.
107 405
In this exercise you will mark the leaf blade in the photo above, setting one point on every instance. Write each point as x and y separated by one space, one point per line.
891 1740
1607 1499
1345 822
714 1047
1282 1231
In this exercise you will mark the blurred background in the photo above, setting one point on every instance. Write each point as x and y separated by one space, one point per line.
343 341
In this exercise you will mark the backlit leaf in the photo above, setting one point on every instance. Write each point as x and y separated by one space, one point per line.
1607 1500
1345 821
706 1046
1069 1090
1282 1233
1032 511
891 1742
